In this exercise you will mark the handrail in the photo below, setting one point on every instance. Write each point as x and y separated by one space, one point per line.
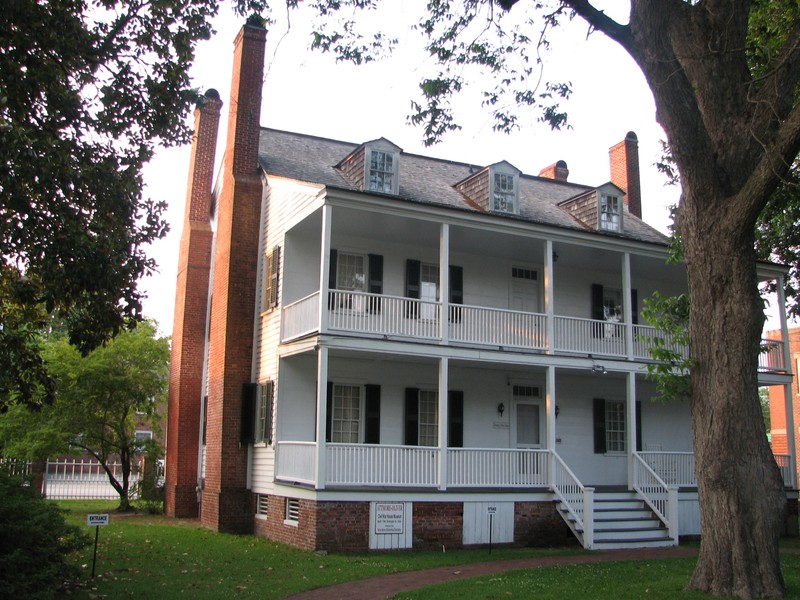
660 497
575 496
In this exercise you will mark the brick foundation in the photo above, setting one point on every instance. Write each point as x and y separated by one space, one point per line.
538 524
438 524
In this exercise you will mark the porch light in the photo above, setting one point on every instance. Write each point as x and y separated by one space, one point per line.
558 410
501 408
599 370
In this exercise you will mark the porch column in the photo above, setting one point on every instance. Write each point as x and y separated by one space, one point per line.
549 294
444 283
325 267
788 392
627 307
322 414
550 410
630 424
444 367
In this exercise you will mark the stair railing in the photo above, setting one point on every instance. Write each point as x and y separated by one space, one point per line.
660 497
577 498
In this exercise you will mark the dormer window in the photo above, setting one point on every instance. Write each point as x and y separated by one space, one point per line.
504 193
381 172
610 208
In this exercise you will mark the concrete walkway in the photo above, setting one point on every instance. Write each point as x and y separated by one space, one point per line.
385 586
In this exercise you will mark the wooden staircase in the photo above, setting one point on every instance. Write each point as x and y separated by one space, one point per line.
621 520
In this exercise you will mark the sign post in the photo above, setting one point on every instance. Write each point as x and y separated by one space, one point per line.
97 521
492 510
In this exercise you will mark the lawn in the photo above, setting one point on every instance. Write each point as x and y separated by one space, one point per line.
153 557
144 557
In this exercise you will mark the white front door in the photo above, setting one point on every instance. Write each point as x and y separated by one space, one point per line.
529 421
524 290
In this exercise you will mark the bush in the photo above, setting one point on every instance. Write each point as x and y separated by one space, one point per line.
34 541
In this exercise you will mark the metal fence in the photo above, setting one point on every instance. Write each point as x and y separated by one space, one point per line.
76 479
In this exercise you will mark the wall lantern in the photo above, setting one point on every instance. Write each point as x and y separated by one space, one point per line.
558 410
501 408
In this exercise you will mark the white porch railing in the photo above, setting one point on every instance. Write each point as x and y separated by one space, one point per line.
297 461
370 464
498 327
577 499
383 315
300 318
660 497
643 340
497 467
674 468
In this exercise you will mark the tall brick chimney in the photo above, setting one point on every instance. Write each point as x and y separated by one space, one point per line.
191 300
558 171
624 159
225 499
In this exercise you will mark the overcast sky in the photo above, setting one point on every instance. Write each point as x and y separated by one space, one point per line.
307 92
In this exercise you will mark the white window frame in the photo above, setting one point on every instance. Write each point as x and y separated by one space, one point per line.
352 283
375 164
264 416
358 420
610 212
504 191
616 427
428 418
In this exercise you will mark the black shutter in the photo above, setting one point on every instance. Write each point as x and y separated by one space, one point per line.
332 276
634 307
412 417
248 415
372 412
456 292
455 417
375 281
638 426
597 309
329 411
413 268
275 267
599 411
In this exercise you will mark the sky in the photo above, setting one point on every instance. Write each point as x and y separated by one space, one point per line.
308 92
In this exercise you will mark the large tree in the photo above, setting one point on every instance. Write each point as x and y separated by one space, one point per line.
99 400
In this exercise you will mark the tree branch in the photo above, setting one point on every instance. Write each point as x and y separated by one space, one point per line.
600 21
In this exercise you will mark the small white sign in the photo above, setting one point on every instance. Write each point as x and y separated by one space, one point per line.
389 517
491 509
96 520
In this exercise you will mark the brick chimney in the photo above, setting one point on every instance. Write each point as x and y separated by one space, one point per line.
225 499
191 298
558 171
624 159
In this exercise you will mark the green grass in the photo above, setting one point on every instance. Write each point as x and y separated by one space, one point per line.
662 579
145 557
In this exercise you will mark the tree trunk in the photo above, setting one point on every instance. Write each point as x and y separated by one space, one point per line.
741 490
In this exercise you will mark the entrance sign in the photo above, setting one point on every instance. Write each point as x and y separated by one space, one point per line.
389 517
96 520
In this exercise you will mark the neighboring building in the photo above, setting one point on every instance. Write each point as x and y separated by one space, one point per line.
785 416
375 349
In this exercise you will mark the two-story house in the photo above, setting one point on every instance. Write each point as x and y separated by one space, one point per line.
375 349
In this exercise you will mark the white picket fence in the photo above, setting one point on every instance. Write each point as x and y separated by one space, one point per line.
73 479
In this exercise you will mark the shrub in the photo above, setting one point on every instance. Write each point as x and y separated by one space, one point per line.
34 542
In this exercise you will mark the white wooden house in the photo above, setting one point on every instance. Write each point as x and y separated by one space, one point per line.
439 354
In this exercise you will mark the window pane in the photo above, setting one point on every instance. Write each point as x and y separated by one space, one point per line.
428 418
609 213
615 426
350 272
381 171
346 417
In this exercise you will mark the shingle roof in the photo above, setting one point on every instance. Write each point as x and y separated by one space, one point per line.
428 180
